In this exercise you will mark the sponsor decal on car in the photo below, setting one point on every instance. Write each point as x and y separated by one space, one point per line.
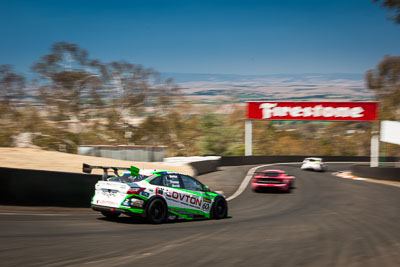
207 200
159 191
106 202
125 203
145 194
108 193
185 199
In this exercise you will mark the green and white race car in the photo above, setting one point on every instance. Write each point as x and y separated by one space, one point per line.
157 196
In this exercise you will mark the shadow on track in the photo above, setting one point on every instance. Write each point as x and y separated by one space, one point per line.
142 221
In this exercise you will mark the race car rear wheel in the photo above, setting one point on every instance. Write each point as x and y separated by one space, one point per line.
110 214
156 211
219 209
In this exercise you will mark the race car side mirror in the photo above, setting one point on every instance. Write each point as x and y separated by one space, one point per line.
206 188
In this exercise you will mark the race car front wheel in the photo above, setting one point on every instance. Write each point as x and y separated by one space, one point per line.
219 209
110 215
156 211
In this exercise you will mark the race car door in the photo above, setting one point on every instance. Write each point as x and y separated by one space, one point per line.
179 200
201 202
170 190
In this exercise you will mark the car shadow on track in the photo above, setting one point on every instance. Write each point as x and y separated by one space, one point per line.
123 219
138 221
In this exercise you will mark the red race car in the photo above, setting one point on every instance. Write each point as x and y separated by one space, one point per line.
272 179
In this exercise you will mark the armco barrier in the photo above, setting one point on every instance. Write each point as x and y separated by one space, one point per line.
381 173
253 160
47 188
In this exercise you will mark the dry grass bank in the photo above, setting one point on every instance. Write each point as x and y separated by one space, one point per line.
30 158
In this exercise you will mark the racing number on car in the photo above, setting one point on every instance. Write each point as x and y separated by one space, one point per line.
205 206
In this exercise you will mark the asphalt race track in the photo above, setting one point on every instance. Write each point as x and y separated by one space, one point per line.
325 221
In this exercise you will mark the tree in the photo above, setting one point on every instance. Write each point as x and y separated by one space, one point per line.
384 80
12 87
392 5
68 78
135 87
164 95
130 84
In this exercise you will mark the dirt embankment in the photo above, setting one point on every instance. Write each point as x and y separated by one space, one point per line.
30 158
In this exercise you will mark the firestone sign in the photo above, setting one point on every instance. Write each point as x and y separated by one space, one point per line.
329 111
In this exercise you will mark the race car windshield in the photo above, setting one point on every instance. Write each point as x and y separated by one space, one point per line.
271 174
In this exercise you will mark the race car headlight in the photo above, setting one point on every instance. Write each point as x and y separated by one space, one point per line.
137 203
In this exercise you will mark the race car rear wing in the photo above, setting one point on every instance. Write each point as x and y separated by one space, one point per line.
86 168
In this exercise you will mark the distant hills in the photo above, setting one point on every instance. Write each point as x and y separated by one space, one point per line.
240 88
190 77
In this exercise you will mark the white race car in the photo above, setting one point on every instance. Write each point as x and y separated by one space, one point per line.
315 164
157 196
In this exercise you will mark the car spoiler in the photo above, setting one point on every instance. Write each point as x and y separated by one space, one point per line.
86 168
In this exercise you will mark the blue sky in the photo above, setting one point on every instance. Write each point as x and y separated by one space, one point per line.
190 36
